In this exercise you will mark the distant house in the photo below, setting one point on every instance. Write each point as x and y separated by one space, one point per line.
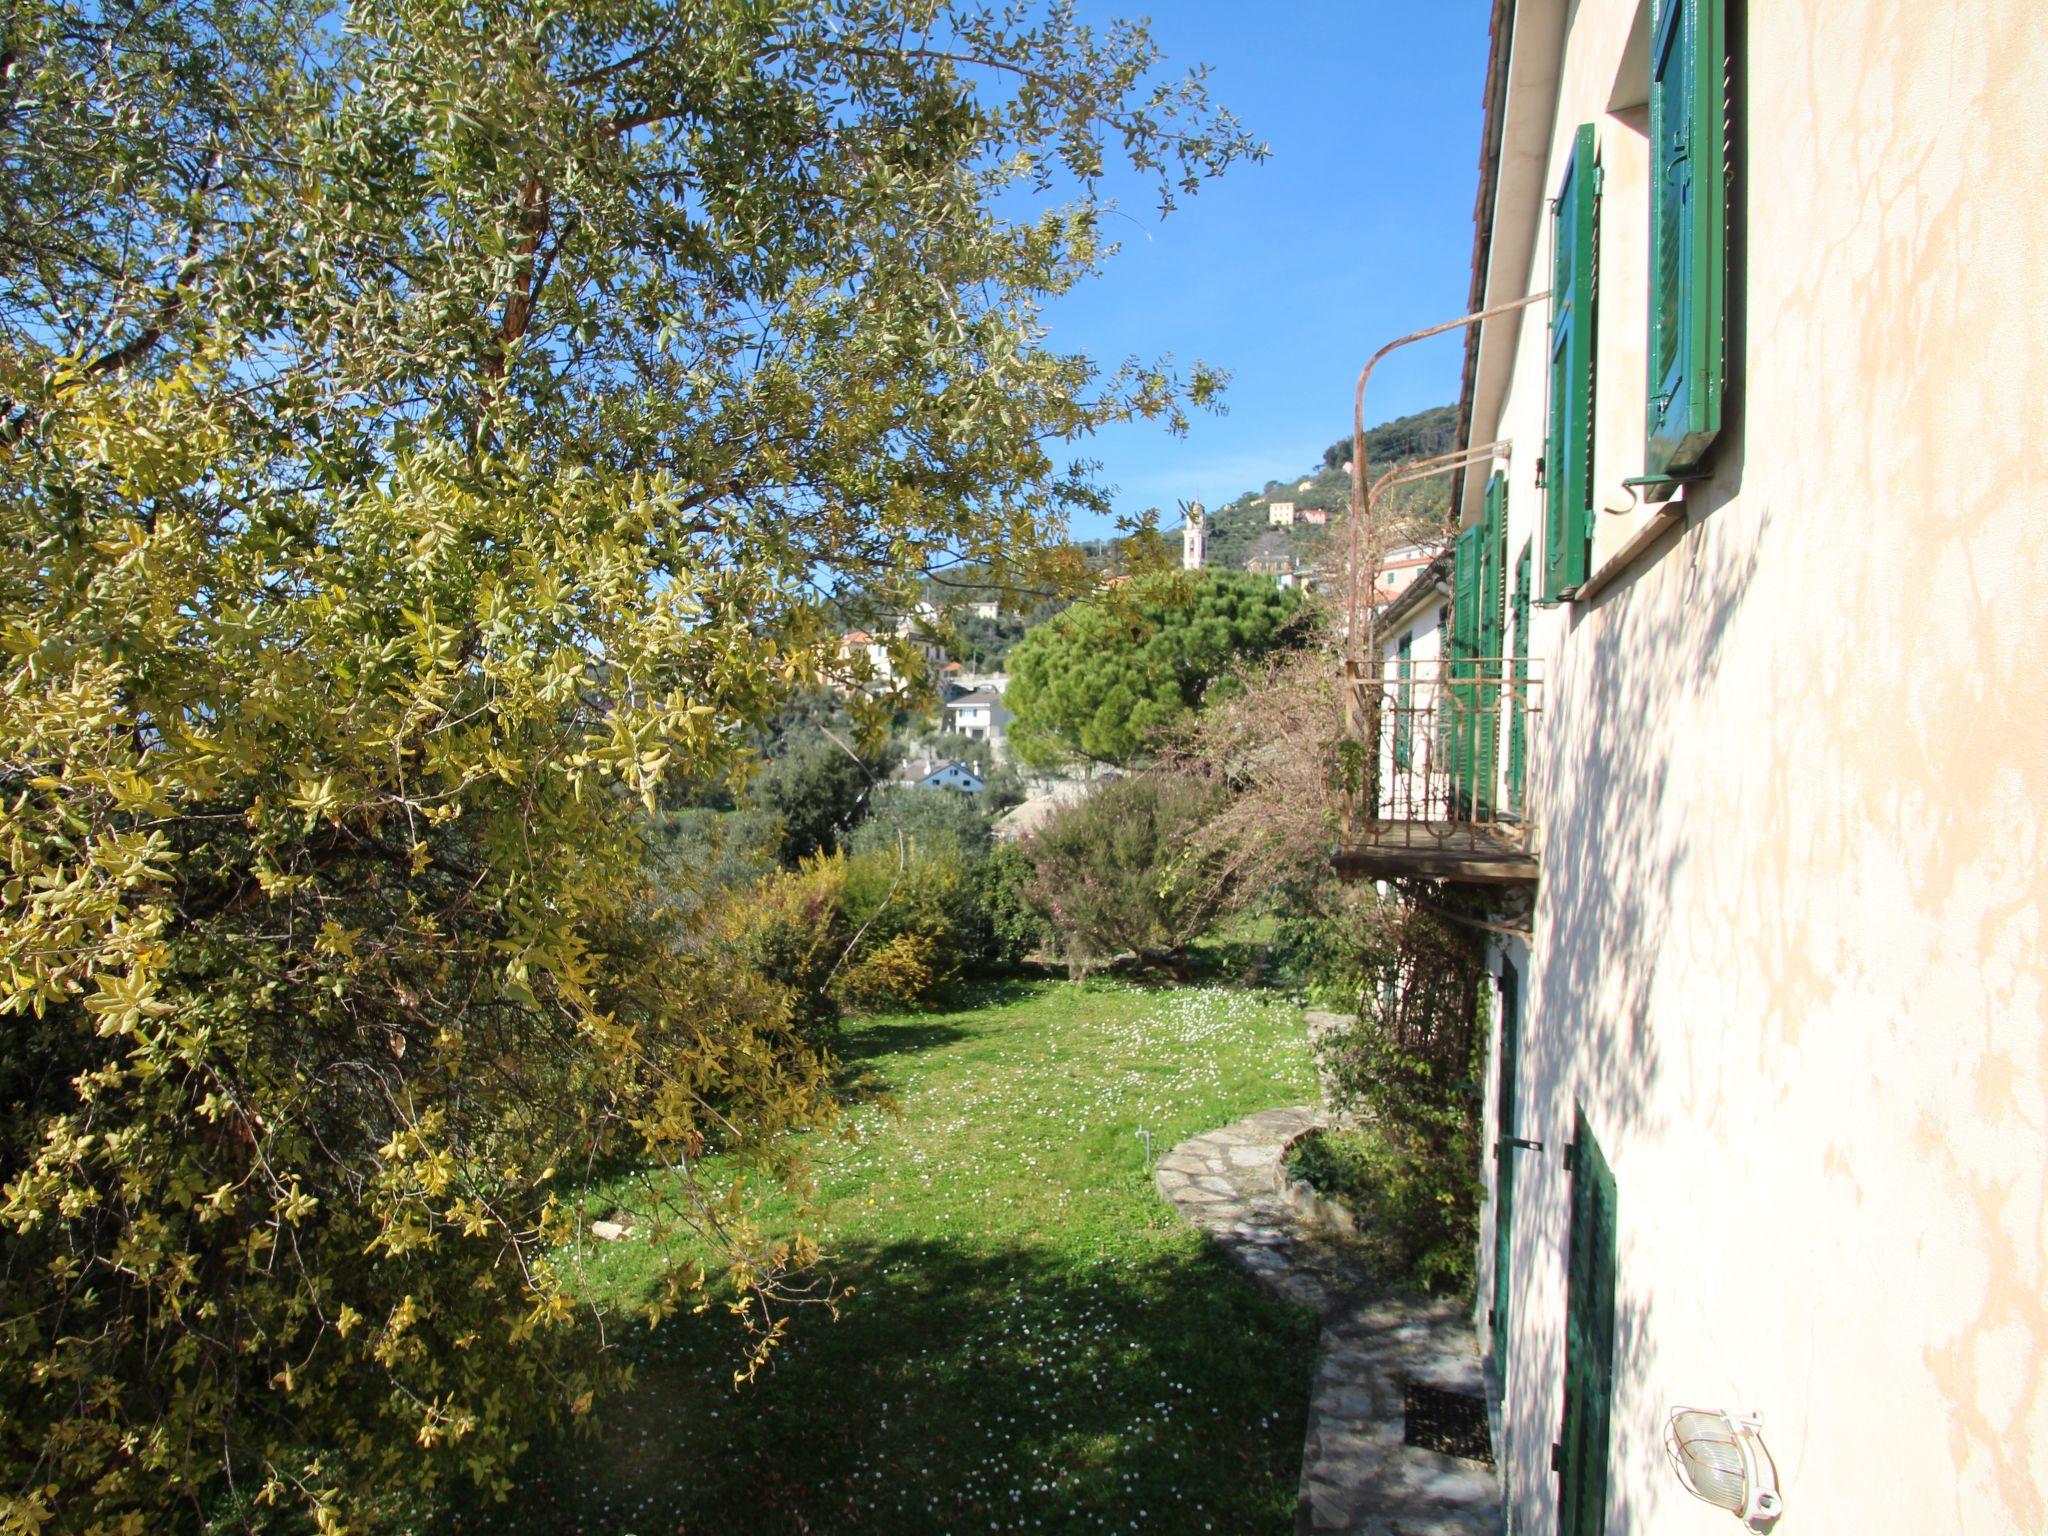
1399 567
987 610
1273 555
941 773
1280 515
1270 565
912 633
978 715
1312 515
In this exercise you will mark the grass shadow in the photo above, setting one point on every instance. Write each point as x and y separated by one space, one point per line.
993 1388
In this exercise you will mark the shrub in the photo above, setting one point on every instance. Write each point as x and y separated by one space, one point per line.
696 852
1017 930
929 822
790 930
1408 1068
916 923
1113 873
818 791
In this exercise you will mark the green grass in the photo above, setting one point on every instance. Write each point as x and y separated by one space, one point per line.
1034 1343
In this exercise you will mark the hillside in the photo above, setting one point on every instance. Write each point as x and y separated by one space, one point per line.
1240 529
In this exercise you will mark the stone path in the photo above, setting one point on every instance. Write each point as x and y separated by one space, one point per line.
1357 1478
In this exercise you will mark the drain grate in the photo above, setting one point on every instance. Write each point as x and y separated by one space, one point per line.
1453 1423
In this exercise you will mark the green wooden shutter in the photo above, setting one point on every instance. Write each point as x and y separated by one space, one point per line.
1490 644
1568 446
1689 183
1508 1066
1459 703
1518 704
1588 1340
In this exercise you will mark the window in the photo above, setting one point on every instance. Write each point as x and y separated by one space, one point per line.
1689 187
1568 445
1404 702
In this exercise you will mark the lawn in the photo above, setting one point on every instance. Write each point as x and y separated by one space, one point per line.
1034 1342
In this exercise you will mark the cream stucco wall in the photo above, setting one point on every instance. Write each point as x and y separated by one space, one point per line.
1788 948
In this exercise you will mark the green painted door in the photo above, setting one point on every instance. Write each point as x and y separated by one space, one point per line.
1581 1458
1505 1129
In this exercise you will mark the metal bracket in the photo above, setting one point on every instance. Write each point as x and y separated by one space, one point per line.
1662 482
1571 1157
1523 1142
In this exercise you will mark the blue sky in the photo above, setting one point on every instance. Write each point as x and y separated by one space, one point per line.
1290 273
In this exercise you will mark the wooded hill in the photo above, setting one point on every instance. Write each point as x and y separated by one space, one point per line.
1240 530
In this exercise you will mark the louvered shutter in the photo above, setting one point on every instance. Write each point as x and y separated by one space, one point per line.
1459 704
1568 449
1518 703
1588 1341
1689 187
1492 603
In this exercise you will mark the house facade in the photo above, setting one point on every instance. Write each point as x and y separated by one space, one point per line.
910 637
941 773
1768 1088
979 715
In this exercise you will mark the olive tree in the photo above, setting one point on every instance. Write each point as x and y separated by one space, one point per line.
425 432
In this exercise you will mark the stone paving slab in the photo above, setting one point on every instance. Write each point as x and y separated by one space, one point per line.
1357 1477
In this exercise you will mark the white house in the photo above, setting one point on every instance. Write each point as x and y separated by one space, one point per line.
978 715
1767 1101
1280 514
942 773
912 635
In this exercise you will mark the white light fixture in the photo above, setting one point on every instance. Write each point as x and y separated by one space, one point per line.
1720 1457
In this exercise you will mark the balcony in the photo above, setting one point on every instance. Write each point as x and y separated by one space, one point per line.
1441 752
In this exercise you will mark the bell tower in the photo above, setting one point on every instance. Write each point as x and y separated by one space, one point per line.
1194 538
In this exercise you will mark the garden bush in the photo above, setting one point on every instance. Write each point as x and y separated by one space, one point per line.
1114 873
789 929
1407 1068
1017 930
930 822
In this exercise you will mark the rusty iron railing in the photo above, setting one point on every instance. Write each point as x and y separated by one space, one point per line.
1442 760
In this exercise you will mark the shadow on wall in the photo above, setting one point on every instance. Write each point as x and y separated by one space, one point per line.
1613 850
964 1387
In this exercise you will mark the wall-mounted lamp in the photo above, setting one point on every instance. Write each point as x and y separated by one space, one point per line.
1721 1458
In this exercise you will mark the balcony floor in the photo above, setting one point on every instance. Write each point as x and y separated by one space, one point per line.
1434 850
